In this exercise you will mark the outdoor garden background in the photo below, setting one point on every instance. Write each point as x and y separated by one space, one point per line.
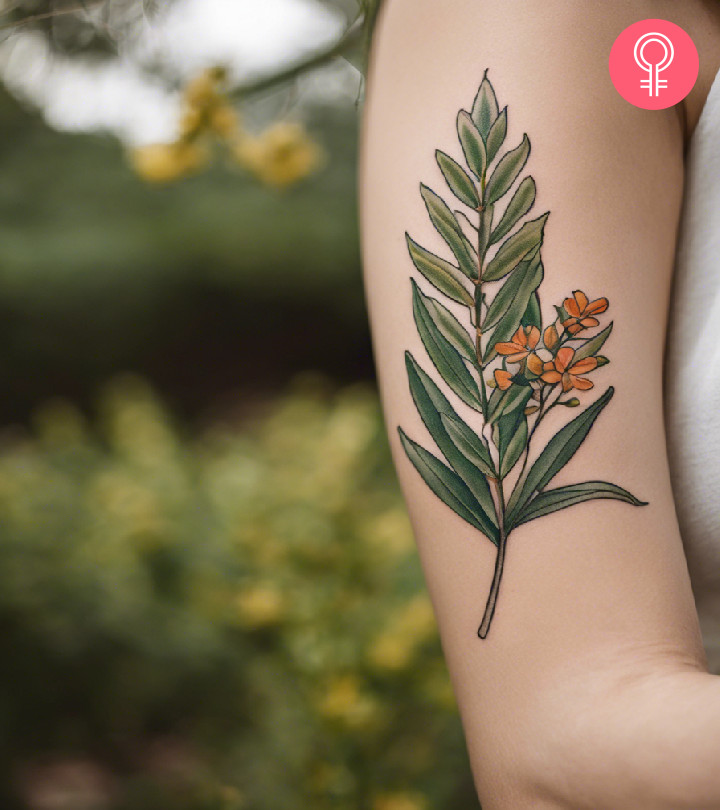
209 593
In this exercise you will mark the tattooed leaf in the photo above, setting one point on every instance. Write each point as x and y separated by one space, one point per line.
529 278
532 316
449 228
510 436
520 203
449 326
505 402
445 357
468 443
485 107
507 170
445 483
514 249
594 344
431 403
552 500
496 136
457 178
441 274
472 144
507 294
556 454
484 229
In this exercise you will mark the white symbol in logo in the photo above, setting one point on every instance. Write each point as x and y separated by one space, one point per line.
654 83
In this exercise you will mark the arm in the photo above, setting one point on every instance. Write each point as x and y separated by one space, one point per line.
579 669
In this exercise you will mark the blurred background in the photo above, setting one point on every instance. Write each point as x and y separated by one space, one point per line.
209 592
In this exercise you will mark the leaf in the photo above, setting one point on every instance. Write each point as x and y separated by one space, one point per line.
472 144
556 454
514 397
507 294
521 202
496 135
441 274
445 483
514 249
594 344
444 356
532 316
512 437
507 170
552 500
449 228
508 324
457 178
468 443
431 403
486 217
485 107
450 327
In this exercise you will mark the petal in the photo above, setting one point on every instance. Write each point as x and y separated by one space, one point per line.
588 322
520 337
535 364
575 328
507 348
550 336
503 379
567 380
532 337
584 365
563 358
597 306
582 384
516 358
552 376
571 307
581 298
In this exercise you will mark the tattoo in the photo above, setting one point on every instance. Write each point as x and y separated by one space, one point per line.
506 368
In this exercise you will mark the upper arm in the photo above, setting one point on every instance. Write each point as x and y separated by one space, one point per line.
601 585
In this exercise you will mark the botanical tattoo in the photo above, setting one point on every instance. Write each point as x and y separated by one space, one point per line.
530 371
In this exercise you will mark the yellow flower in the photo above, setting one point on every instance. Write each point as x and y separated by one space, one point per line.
203 89
345 701
260 606
281 155
394 648
399 801
163 162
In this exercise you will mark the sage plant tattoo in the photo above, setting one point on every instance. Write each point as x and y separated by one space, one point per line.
502 364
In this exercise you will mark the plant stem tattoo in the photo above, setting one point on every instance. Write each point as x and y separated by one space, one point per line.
506 368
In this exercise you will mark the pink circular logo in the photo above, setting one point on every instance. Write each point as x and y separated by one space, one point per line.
654 64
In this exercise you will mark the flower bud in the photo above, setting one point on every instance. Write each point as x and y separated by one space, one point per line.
570 403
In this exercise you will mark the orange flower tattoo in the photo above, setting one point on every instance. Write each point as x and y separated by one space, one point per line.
562 368
581 311
522 343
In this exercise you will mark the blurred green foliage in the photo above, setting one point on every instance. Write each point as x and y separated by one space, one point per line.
232 620
196 284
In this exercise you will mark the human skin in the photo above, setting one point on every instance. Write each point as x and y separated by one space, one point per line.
591 690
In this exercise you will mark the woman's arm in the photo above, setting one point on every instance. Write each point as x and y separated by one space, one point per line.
579 671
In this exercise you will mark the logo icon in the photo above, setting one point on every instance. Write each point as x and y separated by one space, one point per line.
654 83
653 64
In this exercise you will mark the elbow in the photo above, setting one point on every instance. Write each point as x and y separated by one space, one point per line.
649 742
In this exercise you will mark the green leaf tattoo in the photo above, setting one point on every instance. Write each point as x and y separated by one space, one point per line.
498 360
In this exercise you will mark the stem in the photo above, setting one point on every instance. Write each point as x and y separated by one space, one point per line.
348 40
499 561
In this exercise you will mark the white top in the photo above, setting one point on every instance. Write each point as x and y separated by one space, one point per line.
692 382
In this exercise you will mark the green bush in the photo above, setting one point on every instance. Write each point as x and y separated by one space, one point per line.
230 620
